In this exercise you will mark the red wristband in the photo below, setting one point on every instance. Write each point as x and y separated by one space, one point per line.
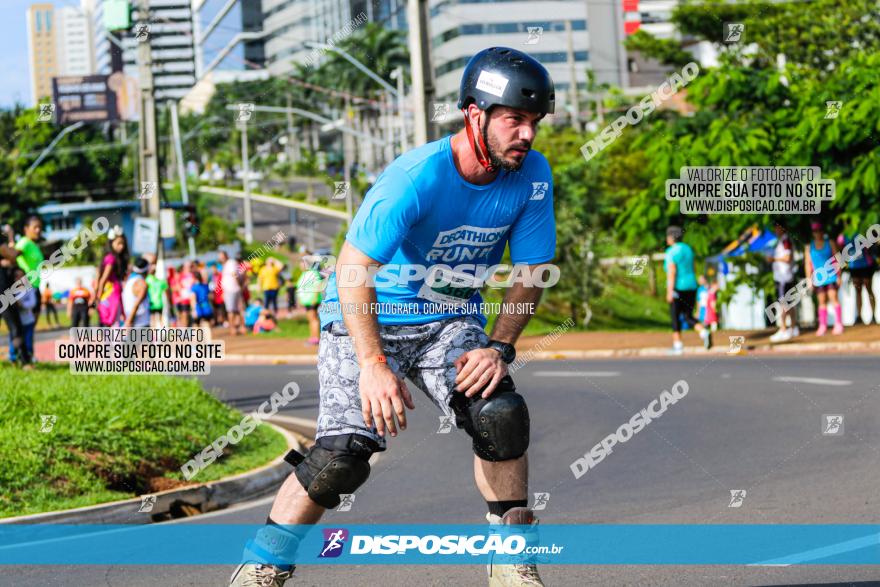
376 359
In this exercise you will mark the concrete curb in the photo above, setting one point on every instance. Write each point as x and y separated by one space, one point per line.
210 496
786 348
768 349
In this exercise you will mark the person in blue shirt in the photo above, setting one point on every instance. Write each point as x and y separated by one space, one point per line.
252 313
825 282
432 224
681 289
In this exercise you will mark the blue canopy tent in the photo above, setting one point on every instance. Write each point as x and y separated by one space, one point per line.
753 240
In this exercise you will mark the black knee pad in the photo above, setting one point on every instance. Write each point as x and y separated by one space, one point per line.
334 465
499 426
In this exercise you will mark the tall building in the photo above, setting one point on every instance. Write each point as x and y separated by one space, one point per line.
229 36
42 50
461 28
76 53
171 39
59 43
288 24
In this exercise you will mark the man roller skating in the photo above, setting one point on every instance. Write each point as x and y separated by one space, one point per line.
460 200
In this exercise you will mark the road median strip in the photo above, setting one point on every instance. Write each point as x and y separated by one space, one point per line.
191 500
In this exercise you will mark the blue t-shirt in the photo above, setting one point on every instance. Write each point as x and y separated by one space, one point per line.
863 260
421 211
252 314
682 256
203 303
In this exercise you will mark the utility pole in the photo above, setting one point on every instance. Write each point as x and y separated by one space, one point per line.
181 169
572 79
149 146
420 66
245 173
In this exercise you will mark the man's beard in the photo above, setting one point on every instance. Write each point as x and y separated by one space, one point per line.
492 149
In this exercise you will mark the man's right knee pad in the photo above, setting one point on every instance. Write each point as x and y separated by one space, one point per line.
333 466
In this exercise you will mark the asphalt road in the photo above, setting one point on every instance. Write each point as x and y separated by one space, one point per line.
316 231
750 422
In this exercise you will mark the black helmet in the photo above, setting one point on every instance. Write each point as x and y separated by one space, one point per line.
500 76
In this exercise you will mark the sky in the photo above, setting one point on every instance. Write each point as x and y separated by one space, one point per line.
15 78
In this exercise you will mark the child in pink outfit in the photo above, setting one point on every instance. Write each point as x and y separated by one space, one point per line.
711 301
265 323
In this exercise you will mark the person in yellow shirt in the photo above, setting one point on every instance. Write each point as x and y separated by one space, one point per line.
270 282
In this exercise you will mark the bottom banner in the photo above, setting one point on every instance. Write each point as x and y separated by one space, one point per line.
570 544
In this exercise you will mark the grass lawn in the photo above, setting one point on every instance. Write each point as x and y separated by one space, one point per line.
115 437
289 328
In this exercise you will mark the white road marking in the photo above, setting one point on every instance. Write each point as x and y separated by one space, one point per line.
814 381
576 373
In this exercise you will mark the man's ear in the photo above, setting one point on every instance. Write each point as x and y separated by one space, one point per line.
474 114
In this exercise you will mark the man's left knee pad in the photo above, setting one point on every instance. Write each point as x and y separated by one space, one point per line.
499 426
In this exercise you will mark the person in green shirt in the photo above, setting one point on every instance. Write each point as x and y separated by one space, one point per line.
309 292
158 293
31 256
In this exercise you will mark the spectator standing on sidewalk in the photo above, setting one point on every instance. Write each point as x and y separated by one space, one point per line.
783 277
270 283
861 271
31 255
185 280
200 300
159 294
134 296
217 296
48 302
26 305
78 301
8 310
826 283
231 281
309 290
114 268
681 289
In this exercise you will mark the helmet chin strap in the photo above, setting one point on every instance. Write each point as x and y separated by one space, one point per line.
478 145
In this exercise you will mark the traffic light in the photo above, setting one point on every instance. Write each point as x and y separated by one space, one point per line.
191 221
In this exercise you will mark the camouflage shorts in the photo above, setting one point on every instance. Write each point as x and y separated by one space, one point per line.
425 353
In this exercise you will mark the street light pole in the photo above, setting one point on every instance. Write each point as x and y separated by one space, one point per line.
245 172
149 146
47 150
397 74
347 161
181 168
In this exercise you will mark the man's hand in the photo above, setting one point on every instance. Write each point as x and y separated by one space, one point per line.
476 369
383 394
669 296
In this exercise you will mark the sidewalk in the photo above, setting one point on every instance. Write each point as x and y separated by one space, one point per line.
581 345
251 349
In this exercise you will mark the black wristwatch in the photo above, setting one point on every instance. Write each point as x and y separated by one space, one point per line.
506 350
